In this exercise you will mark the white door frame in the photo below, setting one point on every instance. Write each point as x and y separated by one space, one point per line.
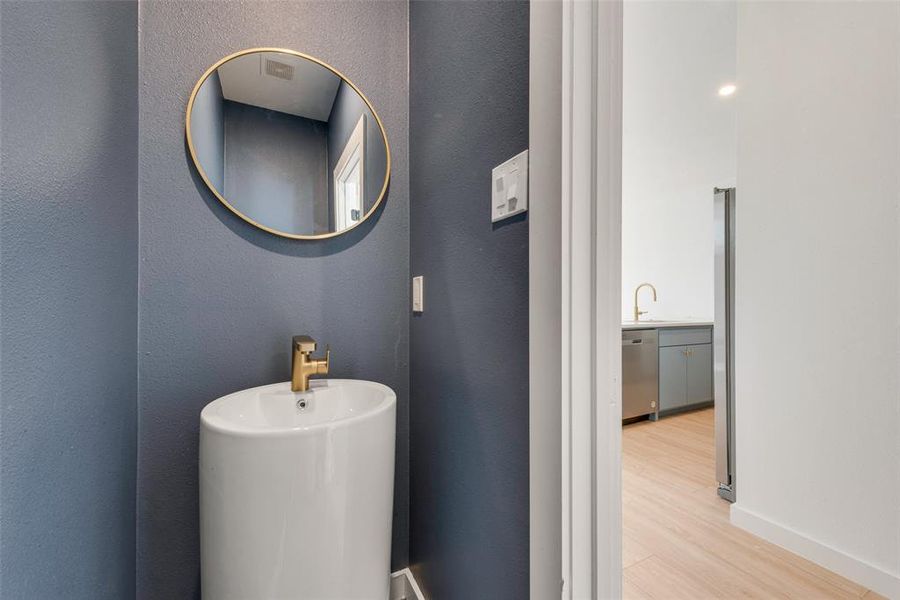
354 153
581 543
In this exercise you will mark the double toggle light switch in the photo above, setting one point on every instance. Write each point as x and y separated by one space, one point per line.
510 187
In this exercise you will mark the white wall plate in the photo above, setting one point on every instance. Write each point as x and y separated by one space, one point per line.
509 187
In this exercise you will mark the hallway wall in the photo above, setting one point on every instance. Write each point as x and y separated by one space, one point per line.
818 283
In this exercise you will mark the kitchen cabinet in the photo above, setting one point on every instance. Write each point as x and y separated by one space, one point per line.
672 378
699 374
685 368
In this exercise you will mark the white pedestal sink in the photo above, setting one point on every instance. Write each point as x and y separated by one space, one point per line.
295 503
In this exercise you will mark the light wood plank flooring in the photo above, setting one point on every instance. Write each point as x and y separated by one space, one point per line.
678 542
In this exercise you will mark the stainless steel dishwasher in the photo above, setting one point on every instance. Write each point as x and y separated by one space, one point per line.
640 372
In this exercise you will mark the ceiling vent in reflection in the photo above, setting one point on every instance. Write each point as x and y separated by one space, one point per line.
279 70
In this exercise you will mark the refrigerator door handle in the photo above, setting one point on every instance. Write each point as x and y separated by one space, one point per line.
723 339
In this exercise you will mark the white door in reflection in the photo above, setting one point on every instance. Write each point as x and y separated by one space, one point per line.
349 179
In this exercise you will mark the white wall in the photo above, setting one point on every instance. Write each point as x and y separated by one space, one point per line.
678 143
818 270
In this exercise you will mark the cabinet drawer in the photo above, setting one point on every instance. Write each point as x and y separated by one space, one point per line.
685 336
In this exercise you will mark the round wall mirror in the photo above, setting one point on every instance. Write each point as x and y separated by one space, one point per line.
288 143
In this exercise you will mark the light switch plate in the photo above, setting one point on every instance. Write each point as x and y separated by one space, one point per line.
509 185
418 294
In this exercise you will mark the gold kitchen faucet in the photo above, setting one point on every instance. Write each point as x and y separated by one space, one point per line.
637 311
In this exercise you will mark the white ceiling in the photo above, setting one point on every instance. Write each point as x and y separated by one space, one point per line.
309 93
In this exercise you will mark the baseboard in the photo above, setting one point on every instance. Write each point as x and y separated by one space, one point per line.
854 569
671 412
404 586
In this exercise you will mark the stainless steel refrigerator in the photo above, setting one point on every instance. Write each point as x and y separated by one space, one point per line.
723 339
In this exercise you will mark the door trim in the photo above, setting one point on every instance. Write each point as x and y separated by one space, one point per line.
354 153
575 299
545 300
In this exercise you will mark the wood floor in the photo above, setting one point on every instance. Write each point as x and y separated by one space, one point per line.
678 542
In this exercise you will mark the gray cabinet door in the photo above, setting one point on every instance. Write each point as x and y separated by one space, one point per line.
672 377
699 374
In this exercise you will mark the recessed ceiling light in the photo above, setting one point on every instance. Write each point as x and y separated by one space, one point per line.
727 90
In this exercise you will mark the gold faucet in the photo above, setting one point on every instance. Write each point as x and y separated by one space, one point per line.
638 312
303 365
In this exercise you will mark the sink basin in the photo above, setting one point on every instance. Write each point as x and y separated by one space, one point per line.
296 492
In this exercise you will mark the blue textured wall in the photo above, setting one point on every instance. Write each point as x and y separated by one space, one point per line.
469 349
68 278
219 298
275 168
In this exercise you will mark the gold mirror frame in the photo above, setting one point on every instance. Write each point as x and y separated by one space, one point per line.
221 198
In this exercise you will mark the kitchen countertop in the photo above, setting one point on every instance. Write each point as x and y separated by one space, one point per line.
661 324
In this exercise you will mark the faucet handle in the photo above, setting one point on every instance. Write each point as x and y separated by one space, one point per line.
322 366
304 344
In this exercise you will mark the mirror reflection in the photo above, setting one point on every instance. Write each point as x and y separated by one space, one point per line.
288 144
